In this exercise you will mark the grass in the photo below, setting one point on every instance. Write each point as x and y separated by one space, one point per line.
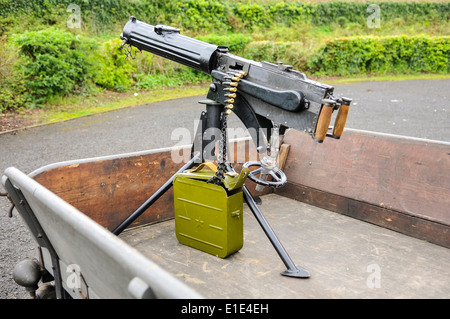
77 106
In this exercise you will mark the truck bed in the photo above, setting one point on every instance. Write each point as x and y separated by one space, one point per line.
347 258
367 219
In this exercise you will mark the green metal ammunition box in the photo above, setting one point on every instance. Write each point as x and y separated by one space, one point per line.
209 217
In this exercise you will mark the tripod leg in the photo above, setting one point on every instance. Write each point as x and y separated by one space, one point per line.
161 191
292 270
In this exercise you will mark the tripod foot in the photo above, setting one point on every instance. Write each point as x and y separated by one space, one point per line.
297 272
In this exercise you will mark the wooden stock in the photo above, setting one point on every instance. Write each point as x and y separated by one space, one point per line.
341 118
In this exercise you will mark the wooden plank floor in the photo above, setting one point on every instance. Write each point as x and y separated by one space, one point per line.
347 258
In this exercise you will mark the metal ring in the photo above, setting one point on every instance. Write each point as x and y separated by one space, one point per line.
276 173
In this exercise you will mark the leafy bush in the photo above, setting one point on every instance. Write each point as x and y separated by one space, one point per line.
175 78
54 62
112 71
11 85
227 15
234 42
97 15
252 14
200 14
291 53
380 55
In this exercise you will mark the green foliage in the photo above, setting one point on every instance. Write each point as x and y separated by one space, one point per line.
252 14
112 71
381 55
97 15
199 15
234 42
181 76
291 53
12 88
55 60
227 15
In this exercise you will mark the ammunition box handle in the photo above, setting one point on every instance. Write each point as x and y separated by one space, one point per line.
210 165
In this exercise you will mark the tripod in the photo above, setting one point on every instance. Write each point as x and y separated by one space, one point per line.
210 120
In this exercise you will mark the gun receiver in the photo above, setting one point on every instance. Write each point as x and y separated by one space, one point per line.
267 93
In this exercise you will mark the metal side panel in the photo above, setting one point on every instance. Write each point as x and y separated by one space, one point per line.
109 267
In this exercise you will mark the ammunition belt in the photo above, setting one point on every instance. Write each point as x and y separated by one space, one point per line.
231 88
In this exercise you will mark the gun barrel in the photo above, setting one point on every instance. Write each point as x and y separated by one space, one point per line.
167 42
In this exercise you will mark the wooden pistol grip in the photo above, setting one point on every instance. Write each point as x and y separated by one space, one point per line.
323 123
341 118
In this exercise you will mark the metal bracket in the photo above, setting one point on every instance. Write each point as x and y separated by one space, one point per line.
11 201
27 214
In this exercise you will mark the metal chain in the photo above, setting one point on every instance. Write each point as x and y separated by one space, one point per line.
232 85
128 50
221 153
223 143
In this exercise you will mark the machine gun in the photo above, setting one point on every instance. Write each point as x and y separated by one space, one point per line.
261 94
268 99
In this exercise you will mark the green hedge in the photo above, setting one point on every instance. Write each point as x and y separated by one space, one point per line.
112 70
291 53
246 15
210 15
38 65
235 42
12 87
380 55
54 62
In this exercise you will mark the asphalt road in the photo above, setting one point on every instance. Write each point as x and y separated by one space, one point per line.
418 108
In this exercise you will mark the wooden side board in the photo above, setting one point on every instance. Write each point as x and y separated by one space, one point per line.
109 189
396 182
